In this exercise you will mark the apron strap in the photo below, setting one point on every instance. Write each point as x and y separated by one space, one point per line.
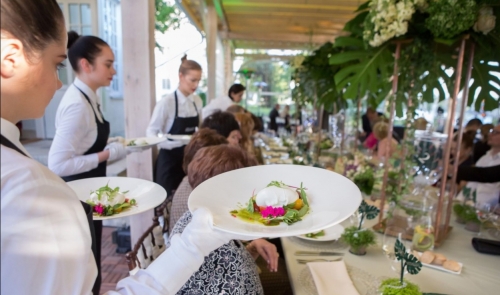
5 142
176 105
91 106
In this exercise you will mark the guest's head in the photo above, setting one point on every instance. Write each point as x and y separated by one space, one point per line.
372 114
277 106
246 128
421 123
473 125
466 146
225 124
236 92
214 160
494 138
235 108
485 131
189 76
380 130
203 138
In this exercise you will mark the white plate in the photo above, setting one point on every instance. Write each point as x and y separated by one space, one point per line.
332 198
147 194
182 138
331 234
151 141
439 267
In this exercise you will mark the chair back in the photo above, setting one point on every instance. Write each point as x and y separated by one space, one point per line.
149 246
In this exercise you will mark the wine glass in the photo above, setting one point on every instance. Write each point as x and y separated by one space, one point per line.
391 235
483 210
494 218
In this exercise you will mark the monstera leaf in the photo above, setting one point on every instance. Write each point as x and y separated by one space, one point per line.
399 250
413 265
363 70
484 73
370 211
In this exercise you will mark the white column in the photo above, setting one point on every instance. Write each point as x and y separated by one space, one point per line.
211 31
228 64
138 92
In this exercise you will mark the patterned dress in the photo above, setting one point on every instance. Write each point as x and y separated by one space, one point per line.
229 269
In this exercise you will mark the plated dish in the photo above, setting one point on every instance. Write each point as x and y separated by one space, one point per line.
332 198
329 234
147 194
142 142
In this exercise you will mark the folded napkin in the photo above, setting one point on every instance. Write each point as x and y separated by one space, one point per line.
486 246
332 278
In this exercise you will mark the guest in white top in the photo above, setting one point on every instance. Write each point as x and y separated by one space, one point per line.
177 113
79 149
489 192
45 232
235 94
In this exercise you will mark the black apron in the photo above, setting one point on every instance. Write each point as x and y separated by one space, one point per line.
86 207
100 171
169 173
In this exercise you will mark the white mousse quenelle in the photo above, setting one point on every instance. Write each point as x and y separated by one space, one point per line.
276 196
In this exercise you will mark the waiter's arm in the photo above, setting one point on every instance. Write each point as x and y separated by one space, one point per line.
72 125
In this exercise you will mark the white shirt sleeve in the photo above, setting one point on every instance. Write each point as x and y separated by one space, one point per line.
72 125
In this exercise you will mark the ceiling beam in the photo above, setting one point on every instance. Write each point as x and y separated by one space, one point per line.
277 37
288 5
190 15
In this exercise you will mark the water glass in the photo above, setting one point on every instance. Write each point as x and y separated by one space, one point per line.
483 210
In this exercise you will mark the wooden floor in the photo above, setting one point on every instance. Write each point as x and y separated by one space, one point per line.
114 265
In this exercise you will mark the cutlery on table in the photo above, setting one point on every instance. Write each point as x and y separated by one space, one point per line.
310 253
304 261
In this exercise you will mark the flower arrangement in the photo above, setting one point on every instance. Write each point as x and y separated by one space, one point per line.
448 18
356 237
400 286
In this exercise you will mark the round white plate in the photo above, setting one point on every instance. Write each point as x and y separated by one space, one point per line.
332 198
180 137
331 234
147 194
151 141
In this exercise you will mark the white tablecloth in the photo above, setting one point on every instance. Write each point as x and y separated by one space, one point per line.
480 274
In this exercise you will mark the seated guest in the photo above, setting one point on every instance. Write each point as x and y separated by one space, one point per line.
473 125
235 108
482 146
479 174
371 141
230 269
246 129
489 192
386 145
465 158
225 124
203 138
368 120
234 96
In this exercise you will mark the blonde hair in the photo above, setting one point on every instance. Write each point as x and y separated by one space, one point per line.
234 108
381 130
246 128
421 124
188 65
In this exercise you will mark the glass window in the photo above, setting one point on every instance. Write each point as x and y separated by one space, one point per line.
86 14
74 14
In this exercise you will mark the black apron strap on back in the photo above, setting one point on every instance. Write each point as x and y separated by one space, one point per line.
5 142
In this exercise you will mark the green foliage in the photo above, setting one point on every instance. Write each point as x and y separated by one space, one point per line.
356 238
410 289
167 16
365 181
370 211
448 18
408 261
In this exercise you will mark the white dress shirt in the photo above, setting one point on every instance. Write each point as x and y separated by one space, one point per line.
76 132
218 104
487 192
45 238
164 115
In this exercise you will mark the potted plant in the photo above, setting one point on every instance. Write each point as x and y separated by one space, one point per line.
410 263
359 238
466 214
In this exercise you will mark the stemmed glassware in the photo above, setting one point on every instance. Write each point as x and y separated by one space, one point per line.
483 211
495 221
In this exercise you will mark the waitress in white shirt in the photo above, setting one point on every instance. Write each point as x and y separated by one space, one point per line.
177 113
80 148
46 242
235 94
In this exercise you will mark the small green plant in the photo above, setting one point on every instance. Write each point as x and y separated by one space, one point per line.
466 212
365 180
409 263
354 236
409 289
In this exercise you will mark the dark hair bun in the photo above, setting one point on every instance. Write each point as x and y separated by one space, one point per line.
184 58
72 37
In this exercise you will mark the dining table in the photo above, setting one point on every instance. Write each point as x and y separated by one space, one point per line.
480 273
